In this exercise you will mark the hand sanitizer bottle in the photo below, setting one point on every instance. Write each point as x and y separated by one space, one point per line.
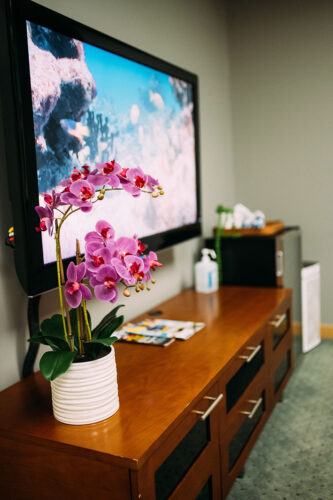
206 272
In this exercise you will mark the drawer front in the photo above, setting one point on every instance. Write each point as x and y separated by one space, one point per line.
187 461
282 371
174 468
237 439
254 410
279 326
245 368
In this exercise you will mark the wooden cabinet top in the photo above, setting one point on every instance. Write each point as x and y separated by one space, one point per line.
156 385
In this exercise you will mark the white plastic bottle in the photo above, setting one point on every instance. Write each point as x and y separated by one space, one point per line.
206 272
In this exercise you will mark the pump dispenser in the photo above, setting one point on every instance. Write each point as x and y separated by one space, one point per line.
206 272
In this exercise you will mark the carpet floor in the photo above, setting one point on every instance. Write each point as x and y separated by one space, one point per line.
293 457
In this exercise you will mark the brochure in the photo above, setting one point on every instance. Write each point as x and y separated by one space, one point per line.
145 339
161 328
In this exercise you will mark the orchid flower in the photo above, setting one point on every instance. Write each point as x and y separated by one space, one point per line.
103 235
46 219
75 291
76 175
150 263
137 180
104 284
97 258
105 173
130 268
79 194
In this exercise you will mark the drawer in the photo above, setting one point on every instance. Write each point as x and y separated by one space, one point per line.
282 371
279 326
179 462
238 437
186 463
254 409
252 359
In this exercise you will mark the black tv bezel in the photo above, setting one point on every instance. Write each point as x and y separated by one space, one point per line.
35 276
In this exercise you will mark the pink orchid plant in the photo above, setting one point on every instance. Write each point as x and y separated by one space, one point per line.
108 266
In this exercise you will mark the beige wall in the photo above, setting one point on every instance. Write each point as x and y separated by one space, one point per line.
192 35
282 108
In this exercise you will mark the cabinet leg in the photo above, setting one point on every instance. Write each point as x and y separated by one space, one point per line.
241 473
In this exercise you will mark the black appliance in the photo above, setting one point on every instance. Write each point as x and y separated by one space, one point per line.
268 261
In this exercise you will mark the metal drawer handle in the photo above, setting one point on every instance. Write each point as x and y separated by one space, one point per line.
279 263
254 350
251 413
204 414
280 319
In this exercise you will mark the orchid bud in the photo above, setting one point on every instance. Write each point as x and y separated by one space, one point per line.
148 288
153 282
126 292
161 193
159 187
142 287
100 196
155 194
137 289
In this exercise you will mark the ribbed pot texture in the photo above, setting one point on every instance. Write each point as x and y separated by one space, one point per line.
87 392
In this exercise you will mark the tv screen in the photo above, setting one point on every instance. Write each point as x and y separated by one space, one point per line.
82 98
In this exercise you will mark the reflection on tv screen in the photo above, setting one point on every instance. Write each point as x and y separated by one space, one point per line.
90 105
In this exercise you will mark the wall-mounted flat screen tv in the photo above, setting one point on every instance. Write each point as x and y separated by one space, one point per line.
79 97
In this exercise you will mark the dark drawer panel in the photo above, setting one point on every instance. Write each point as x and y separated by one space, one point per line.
240 439
280 325
206 493
243 377
282 370
181 459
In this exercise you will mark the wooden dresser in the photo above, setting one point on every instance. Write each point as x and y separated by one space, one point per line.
189 413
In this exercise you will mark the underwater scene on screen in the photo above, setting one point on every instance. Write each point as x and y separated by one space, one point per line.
90 105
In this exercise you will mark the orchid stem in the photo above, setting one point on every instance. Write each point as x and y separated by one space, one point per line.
62 275
84 307
57 237
80 330
80 337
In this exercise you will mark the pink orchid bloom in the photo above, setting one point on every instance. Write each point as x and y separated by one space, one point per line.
104 283
151 182
98 258
150 263
105 173
46 219
137 180
130 268
75 291
103 235
76 175
79 194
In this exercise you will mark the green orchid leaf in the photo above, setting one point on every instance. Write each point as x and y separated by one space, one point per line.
55 363
106 321
112 326
92 349
55 343
53 327
108 342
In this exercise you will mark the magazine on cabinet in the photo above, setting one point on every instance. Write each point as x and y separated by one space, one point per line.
166 329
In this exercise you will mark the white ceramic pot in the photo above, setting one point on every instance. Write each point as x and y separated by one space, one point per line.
87 392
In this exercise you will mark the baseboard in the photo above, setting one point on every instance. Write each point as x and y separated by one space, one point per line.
326 331
297 328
